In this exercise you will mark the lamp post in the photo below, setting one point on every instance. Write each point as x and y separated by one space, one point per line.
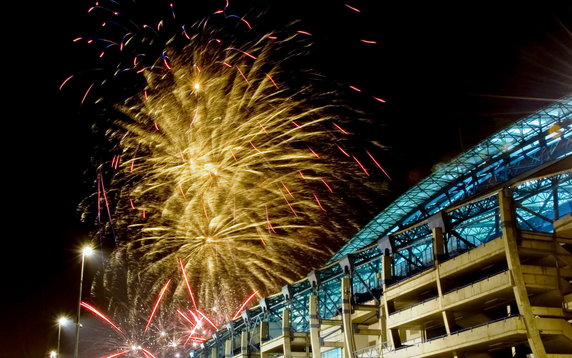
62 321
86 251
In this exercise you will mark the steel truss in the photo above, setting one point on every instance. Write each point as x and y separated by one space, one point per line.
404 229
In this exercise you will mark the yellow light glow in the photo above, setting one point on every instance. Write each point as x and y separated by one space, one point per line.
87 251
62 321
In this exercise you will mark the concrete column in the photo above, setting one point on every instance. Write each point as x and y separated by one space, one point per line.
214 352
228 353
391 336
286 335
263 334
244 344
349 341
263 331
438 244
314 326
509 237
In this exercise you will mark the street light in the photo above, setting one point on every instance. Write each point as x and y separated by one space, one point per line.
62 321
53 354
85 252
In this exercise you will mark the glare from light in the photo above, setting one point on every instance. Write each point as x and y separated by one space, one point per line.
63 321
53 354
197 86
87 251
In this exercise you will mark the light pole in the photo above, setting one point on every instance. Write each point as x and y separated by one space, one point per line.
62 321
86 251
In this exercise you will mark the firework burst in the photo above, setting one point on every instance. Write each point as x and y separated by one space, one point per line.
231 167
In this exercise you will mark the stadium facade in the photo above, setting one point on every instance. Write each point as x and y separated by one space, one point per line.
474 261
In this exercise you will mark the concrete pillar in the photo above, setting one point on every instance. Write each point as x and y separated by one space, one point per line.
392 338
286 334
509 237
314 326
349 341
228 352
438 244
214 352
244 344
263 331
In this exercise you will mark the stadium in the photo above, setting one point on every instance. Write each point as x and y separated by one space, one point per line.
473 261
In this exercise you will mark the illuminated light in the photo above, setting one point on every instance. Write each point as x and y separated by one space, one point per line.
53 354
197 86
163 290
243 52
87 251
313 152
62 321
304 32
361 166
327 186
352 8
343 151
262 126
181 191
340 128
206 213
287 190
65 81
147 353
355 88
243 76
289 205
207 319
371 42
378 165
301 174
253 146
246 22
378 99
272 80
86 93
237 313
101 315
189 291
197 319
268 223
163 334
117 354
165 61
318 201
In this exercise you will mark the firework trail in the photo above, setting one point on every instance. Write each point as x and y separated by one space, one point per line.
232 167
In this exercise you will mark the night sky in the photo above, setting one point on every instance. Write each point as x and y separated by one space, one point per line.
450 75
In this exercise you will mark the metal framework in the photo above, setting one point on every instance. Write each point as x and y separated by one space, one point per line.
404 229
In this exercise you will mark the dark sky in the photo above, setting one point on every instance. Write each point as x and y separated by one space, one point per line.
450 75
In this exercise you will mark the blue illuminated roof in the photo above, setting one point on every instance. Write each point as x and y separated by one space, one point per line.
533 141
